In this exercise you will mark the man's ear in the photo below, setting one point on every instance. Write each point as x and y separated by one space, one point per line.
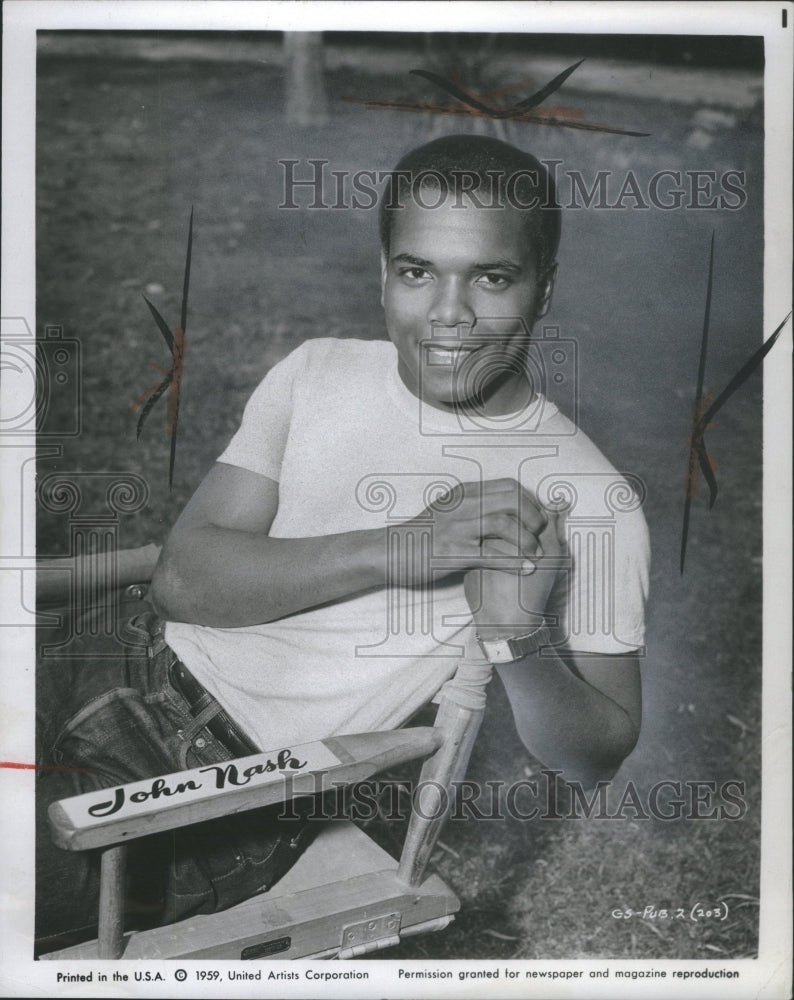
383 266
545 288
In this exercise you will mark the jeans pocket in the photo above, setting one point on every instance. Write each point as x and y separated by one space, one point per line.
121 737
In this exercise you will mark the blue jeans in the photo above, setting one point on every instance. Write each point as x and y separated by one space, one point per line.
115 717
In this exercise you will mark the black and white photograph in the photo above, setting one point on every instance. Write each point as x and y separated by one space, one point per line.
396 463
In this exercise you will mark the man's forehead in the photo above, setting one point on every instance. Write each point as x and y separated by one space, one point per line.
502 231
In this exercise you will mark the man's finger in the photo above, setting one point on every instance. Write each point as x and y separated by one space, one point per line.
495 487
490 486
497 554
494 546
552 538
530 518
521 535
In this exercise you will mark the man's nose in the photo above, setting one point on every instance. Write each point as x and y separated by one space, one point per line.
450 305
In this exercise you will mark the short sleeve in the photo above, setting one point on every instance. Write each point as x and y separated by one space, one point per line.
598 604
608 589
260 442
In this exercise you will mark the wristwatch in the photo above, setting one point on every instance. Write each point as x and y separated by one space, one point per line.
514 647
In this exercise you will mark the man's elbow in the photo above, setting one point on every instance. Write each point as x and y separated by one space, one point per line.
588 761
603 763
168 594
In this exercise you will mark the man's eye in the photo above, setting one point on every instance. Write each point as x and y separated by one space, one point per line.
413 275
491 280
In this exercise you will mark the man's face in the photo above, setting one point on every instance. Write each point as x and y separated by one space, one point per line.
456 286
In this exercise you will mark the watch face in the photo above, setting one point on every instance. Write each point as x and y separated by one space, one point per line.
509 650
497 650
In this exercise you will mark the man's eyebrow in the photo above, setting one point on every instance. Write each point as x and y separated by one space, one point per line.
502 264
409 258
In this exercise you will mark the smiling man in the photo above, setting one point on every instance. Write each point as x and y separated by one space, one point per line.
387 509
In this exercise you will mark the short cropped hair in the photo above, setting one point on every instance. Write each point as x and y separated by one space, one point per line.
480 169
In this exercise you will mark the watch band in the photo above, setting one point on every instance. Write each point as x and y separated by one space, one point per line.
514 647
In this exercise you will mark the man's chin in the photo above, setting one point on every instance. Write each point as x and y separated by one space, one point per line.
450 400
494 399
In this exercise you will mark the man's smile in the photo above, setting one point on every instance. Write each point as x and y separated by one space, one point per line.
438 354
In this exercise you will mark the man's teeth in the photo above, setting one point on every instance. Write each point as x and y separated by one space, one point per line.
449 355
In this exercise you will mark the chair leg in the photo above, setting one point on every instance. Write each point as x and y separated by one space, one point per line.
111 902
436 782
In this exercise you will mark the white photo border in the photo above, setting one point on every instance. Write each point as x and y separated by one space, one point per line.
770 974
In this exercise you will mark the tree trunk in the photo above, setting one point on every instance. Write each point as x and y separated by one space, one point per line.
303 60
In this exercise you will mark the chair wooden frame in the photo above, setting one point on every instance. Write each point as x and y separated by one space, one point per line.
345 896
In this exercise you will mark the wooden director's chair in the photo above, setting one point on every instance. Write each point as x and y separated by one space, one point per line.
345 896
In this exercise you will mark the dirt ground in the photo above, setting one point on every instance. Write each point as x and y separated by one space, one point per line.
125 148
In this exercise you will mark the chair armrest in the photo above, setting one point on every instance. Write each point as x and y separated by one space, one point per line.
122 813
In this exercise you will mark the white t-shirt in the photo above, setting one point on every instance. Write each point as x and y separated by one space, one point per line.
352 448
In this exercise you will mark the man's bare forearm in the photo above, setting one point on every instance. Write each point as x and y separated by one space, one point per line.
222 567
566 722
229 578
